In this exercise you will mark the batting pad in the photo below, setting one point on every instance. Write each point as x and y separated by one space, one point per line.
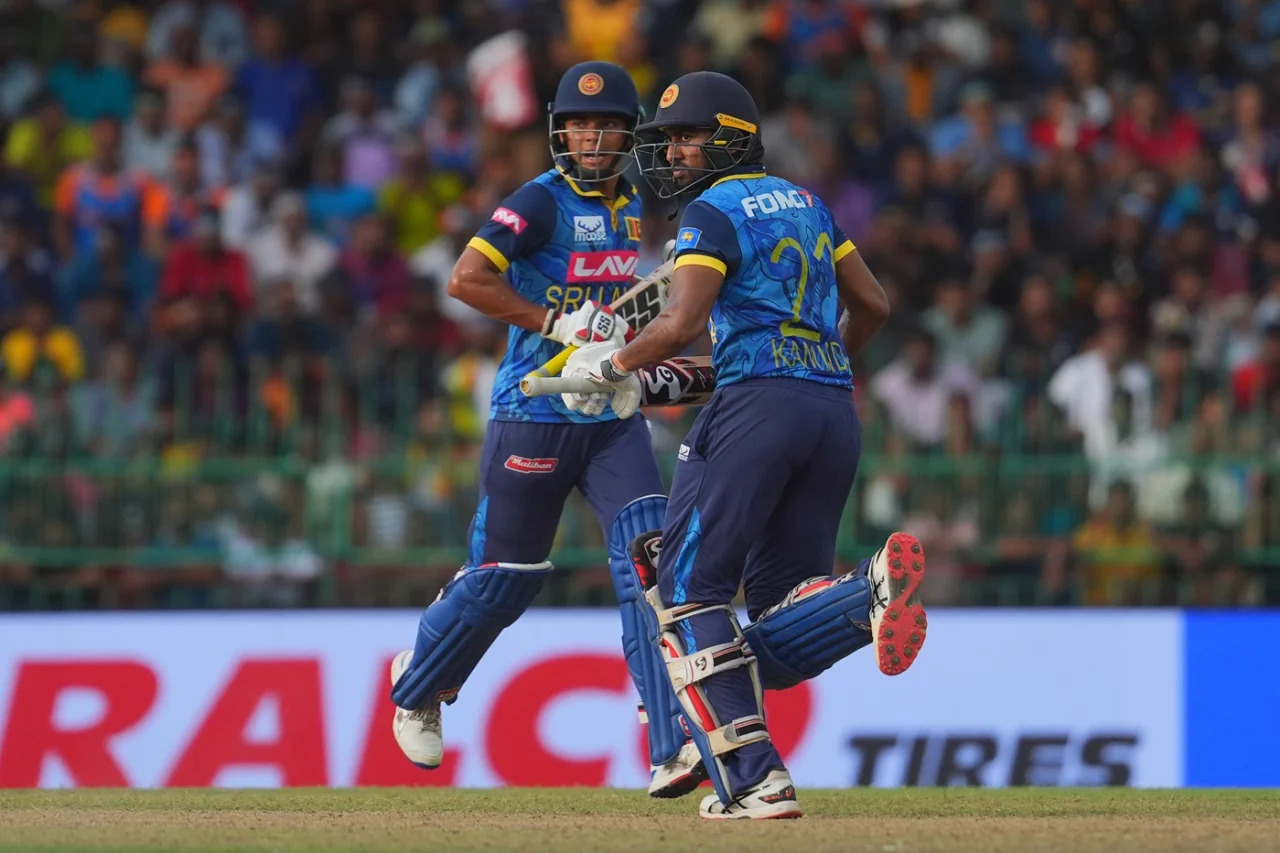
461 624
689 668
648 671
821 621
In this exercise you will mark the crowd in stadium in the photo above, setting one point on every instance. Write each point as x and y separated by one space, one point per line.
226 229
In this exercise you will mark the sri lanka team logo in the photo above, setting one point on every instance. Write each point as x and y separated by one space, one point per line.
590 83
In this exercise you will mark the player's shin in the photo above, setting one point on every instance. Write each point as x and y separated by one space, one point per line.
458 628
661 709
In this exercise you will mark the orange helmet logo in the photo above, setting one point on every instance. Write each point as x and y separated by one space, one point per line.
669 96
590 84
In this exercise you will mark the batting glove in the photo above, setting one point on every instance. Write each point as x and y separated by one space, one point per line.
622 389
590 324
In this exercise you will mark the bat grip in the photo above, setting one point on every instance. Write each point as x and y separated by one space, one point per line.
534 385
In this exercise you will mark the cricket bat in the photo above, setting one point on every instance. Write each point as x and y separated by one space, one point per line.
674 382
638 307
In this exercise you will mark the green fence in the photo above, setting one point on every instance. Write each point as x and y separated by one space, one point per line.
289 532
321 483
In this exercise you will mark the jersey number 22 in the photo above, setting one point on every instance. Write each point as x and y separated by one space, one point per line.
795 327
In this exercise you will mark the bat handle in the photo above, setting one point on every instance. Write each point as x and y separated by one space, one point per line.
551 368
534 385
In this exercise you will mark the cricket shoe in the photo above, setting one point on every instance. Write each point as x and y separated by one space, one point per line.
418 733
772 799
898 622
679 776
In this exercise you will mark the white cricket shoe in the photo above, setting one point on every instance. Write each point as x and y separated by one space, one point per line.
679 776
418 733
898 623
772 799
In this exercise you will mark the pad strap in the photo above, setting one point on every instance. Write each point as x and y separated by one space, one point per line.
738 733
690 669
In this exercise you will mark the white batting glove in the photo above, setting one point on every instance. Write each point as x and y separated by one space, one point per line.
592 323
668 250
622 391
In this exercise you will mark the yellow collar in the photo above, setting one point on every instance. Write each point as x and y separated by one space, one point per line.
739 178
614 205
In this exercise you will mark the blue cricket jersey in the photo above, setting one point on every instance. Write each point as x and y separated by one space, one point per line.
559 246
777 246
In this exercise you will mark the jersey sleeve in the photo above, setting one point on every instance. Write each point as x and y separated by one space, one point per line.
706 237
842 243
523 222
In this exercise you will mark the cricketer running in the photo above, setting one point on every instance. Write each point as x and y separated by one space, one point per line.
767 468
548 263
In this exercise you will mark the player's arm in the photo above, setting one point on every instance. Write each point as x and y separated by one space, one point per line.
706 252
866 304
518 227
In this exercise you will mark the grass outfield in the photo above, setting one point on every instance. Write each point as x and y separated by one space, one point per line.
583 820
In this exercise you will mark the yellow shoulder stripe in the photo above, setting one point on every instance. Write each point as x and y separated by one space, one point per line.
487 249
701 261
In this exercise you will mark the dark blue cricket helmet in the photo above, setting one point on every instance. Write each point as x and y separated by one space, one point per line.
704 100
593 88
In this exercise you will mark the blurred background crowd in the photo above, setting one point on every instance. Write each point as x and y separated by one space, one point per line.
230 375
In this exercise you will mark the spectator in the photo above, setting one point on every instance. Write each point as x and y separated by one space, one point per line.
98 191
88 89
38 340
219 28
1200 552
287 250
109 265
967 333
415 201
1062 125
598 28
45 145
916 389
1257 382
19 79
230 148
1037 343
970 144
365 136
416 90
805 131
114 415
103 319
173 206
333 206
201 268
278 90
1252 150
450 141
247 205
1084 388
149 143
1177 384
730 25
368 58
284 332
26 269
378 274
1150 131
1116 555
827 82
402 372
1084 78
192 87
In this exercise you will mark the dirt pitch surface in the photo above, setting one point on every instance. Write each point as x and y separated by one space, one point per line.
583 820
